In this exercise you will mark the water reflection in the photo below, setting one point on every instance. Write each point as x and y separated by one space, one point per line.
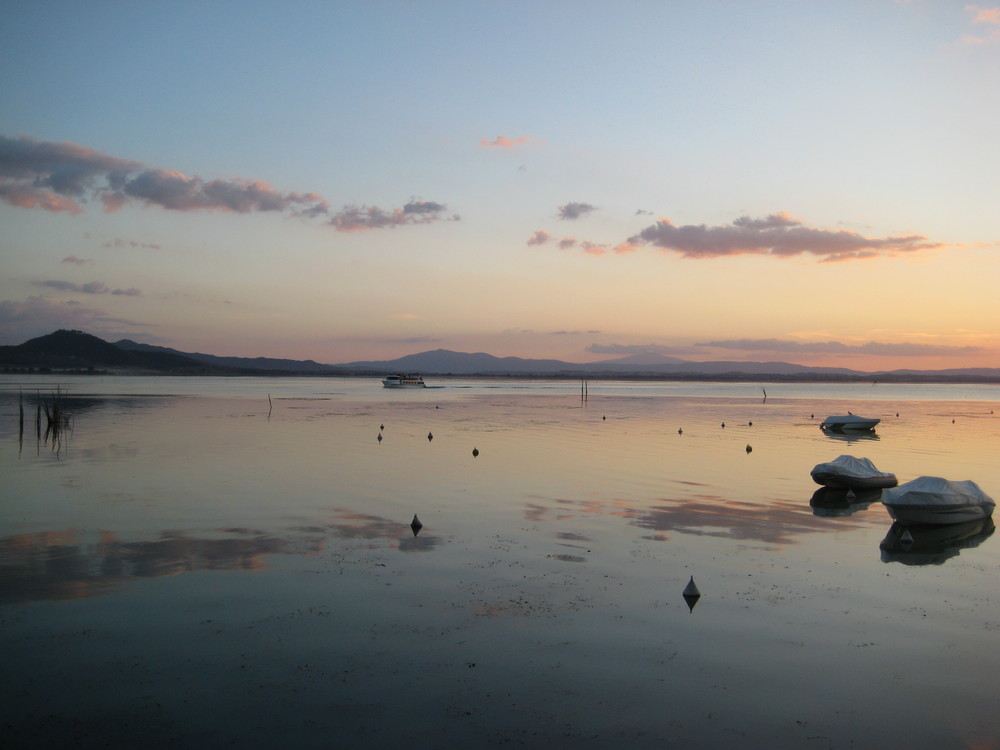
840 501
378 530
780 522
56 565
62 565
933 545
851 436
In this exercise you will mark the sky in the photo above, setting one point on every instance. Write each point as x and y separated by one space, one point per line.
807 181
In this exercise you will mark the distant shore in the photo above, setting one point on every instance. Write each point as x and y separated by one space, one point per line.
736 377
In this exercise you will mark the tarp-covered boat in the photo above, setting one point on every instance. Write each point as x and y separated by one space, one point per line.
933 500
849 471
849 422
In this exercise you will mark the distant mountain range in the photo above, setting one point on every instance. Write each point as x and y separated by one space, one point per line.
78 351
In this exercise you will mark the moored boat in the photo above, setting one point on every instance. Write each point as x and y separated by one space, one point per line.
400 380
849 422
934 500
852 472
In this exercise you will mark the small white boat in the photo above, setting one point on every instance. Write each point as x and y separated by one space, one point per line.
851 472
933 500
849 422
403 381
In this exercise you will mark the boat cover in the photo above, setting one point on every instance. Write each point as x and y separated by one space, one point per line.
850 470
935 491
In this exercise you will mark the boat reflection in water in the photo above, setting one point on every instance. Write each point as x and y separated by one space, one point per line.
842 501
932 545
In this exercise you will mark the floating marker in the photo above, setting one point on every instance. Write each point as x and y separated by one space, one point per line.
430 436
381 426
415 525
475 452
380 437
691 594
749 448
680 431
750 424
723 425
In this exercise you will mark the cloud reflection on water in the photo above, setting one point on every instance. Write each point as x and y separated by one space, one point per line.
60 565
781 522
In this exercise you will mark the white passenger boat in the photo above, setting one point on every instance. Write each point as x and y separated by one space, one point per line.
851 472
403 381
933 500
849 422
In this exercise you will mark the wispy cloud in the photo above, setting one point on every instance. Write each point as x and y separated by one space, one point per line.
62 177
574 210
777 235
76 261
904 349
502 141
539 238
988 19
39 315
630 349
119 242
361 218
92 287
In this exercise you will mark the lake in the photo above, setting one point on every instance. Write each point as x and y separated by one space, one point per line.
211 562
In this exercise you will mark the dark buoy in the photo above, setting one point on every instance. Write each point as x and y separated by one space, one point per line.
691 594
380 437
680 431
723 425
475 452
750 424
415 525
430 436
604 417
749 448
381 426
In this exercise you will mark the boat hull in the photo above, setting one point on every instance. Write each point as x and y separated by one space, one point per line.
849 422
937 501
403 381
924 515
848 472
853 483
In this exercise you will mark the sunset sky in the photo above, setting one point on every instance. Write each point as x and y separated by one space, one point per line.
806 181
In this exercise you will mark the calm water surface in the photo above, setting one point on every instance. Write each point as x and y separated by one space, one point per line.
215 562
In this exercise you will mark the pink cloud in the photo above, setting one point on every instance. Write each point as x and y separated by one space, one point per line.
502 141
539 238
989 17
777 235
25 196
984 15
